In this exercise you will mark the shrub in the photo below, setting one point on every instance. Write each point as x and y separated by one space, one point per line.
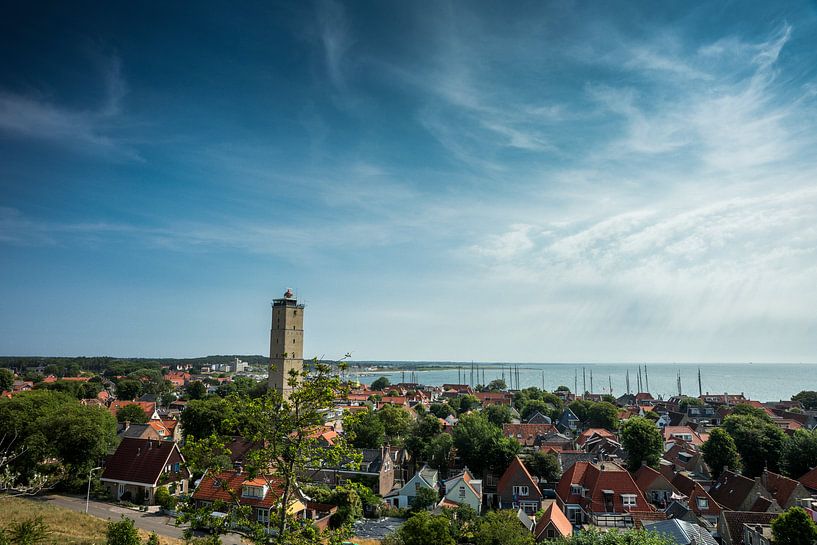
122 532
31 531
165 500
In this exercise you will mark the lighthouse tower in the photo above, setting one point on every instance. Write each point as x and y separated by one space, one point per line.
286 341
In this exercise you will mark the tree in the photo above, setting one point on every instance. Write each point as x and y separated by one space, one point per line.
438 452
467 402
196 390
425 499
422 528
642 442
794 527
502 528
123 532
164 499
581 408
286 449
396 421
749 410
799 453
497 385
131 413
364 429
33 531
498 414
603 415
546 466
808 398
441 410
687 401
481 445
720 451
759 443
534 406
562 388
615 537
6 380
380 384
128 389
205 417
153 539
423 431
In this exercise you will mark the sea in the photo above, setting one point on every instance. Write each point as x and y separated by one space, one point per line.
756 381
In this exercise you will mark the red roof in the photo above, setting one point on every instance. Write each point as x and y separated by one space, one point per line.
590 432
227 487
809 480
598 480
781 488
553 515
517 474
142 461
526 434
148 406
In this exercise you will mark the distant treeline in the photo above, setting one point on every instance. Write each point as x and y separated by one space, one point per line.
72 366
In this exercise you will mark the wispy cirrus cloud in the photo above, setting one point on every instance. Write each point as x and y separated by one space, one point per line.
92 131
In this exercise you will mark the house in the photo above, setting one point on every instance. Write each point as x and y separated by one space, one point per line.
722 399
603 493
568 421
142 431
404 496
783 490
683 433
261 494
149 407
517 488
684 457
463 489
139 467
553 524
656 487
494 398
527 434
757 534
731 525
701 415
681 532
376 468
809 480
738 493
594 432
539 418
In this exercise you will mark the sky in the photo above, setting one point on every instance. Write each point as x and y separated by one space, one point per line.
526 181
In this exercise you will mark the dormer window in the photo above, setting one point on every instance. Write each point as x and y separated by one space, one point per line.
703 503
576 489
249 491
628 500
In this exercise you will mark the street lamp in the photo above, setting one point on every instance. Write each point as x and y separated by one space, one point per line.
88 496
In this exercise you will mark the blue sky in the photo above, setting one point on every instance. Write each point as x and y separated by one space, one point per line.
539 181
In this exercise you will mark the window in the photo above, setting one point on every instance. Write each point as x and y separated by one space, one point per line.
263 515
703 503
628 500
462 491
253 492
576 489
520 490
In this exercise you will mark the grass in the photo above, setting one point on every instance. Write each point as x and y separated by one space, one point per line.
67 527
365 541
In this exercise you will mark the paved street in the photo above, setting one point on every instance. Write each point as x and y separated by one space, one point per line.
152 522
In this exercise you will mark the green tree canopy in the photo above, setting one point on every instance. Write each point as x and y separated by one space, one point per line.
438 452
128 389
496 385
642 442
720 451
6 380
794 527
759 443
502 528
498 414
799 453
481 445
603 415
380 384
581 408
364 429
808 398
687 401
616 537
196 390
205 417
441 410
397 422
423 528
131 413
426 498
123 532
423 431
545 465
749 410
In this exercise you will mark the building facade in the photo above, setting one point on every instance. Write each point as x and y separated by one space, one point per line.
286 341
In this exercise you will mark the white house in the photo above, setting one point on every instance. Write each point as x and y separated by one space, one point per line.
463 489
425 478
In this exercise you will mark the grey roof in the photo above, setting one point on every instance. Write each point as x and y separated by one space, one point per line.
681 532
526 521
539 418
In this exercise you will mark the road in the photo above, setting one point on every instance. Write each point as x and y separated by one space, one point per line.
151 522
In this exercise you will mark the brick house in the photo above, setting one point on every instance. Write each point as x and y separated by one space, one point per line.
139 467
517 488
